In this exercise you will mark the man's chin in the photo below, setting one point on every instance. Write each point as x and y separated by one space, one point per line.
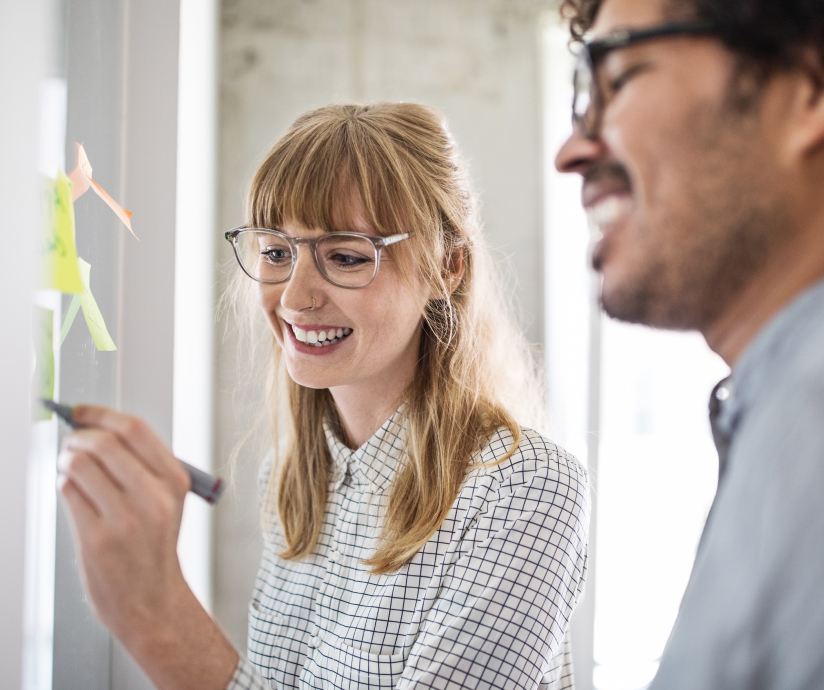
648 308
628 303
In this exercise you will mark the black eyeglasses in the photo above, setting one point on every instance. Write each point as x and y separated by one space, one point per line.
588 101
345 259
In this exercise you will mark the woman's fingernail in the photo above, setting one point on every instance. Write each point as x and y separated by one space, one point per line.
62 461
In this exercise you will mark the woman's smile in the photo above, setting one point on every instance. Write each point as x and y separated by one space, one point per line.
316 339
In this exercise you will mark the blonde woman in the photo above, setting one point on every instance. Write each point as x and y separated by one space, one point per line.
416 535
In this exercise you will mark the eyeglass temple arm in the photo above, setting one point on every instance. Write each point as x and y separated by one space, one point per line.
234 232
392 239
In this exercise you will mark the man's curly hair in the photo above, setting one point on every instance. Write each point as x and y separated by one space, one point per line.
580 14
768 34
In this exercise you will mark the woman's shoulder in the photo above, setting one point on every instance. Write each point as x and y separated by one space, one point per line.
535 460
540 481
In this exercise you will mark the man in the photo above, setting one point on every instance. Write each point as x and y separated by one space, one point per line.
699 135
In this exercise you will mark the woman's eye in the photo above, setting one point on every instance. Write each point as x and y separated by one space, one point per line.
341 260
276 256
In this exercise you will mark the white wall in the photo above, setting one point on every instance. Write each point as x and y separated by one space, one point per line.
478 61
24 36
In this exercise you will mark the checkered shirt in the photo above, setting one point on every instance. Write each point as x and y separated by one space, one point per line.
484 604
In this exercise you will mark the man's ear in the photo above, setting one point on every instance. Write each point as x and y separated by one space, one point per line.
808 132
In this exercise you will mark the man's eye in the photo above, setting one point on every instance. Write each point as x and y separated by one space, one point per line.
615 84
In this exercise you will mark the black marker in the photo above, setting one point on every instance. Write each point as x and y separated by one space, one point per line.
204 484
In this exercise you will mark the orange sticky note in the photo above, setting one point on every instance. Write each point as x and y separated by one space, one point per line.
82 179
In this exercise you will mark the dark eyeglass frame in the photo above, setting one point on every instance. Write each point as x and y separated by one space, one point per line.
588 120
378 242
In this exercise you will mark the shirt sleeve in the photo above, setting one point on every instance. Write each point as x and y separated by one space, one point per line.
247 677
501 616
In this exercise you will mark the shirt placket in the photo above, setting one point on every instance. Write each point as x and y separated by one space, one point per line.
333 576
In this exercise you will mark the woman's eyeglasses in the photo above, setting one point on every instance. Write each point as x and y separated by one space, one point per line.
345 259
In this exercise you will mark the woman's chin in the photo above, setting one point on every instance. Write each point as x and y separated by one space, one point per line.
308 379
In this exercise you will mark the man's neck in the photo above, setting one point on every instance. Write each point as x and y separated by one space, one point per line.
792 270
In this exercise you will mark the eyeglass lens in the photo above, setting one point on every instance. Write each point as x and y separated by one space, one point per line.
583 104
345 260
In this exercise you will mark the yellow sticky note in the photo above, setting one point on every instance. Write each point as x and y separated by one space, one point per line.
43 383
61 252
91 312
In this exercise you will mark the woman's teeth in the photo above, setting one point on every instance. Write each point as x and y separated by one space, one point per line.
320 338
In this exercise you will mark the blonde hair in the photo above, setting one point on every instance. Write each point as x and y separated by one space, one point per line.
475 370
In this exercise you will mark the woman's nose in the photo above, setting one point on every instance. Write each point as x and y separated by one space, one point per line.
305 284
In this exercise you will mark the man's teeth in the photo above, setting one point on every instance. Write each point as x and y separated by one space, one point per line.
609 210
320 338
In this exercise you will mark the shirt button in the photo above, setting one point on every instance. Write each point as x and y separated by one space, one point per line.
314 641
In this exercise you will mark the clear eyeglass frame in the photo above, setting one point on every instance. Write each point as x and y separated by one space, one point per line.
377 242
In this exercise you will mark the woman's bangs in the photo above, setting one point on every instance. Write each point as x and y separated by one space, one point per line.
301 189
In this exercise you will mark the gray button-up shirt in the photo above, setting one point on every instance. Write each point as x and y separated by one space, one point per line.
753 612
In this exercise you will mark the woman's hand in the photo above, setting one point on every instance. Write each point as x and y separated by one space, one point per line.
124 491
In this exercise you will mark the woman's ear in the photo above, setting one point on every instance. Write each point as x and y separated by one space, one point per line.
455 268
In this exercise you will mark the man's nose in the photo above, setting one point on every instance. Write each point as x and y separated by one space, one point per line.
578 153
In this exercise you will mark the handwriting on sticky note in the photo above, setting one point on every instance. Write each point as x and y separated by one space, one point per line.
62 272
81 177
91 312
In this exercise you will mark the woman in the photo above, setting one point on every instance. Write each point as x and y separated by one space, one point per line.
416 535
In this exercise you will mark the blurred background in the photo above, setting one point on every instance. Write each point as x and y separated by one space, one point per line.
176 103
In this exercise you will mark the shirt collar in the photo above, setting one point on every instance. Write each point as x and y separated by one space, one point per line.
772 344
376 461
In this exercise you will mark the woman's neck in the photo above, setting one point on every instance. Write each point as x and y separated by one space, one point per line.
364 406
363 411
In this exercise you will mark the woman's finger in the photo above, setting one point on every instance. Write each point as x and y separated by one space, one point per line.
83 514
110 451
137 436
98 487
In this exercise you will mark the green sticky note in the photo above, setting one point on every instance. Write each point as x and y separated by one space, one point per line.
91 312
68 319
43 379
62 271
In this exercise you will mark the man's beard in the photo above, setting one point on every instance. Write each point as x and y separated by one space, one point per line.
688 287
